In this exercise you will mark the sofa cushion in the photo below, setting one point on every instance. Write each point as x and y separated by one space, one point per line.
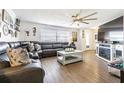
65 46
47 46
18 56
59 49
17 44
33 55
57 45
24 43
47 50
12 44
4 57
3 47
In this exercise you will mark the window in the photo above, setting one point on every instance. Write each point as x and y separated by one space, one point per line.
63 36
55 36
116 35
48 36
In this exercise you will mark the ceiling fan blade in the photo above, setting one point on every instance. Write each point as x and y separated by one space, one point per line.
85 22
90 15
91 19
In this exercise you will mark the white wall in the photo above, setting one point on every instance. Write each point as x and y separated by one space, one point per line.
8 37
27 26
79 40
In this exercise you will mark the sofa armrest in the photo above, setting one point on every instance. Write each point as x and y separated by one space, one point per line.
122 76
30 73
33 55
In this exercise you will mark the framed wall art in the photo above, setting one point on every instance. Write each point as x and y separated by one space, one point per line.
17 24
83 34
0 34
11 23
0 18
0 23
16 33
5 16
7 19
0 15
5 29
74 36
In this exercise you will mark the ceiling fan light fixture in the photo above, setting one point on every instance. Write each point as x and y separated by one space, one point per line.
77 23
77 19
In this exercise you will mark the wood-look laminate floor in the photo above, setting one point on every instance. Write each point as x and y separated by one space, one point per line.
91 70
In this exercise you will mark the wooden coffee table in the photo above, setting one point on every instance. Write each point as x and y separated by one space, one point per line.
69 57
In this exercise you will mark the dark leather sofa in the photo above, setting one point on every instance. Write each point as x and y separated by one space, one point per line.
50 48
30 73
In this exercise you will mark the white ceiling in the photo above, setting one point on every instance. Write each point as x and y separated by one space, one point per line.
62 17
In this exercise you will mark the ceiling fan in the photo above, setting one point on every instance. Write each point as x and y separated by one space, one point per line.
77 19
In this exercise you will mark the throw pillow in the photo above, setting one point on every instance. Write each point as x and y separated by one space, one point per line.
18 56
31 47
37 47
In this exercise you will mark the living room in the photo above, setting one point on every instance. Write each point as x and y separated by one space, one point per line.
62 45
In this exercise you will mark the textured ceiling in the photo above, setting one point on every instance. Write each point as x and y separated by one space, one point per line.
62 17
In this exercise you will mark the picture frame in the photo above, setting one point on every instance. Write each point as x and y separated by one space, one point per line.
17 22
0 18
5 29
0 34
83 34
74 36
5 16
16 33
17 28
0 23
11 23
7 19
17 25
